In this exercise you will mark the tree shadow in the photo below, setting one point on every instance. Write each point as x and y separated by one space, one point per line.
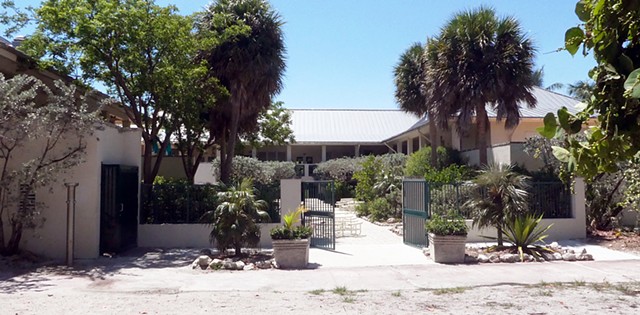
34 277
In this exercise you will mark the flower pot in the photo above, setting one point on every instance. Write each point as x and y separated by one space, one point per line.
447 248
291 254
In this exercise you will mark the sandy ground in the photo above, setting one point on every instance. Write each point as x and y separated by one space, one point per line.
571 298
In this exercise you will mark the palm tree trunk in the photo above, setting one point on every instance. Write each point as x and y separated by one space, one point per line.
481 120
226 162
500 241
433 139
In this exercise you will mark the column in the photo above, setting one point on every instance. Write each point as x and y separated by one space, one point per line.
357 152
399 147
420 144
254 152
288 152
324 153
409 146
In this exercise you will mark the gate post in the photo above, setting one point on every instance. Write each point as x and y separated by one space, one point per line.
290 192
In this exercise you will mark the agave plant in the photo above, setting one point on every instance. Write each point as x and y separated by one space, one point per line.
234 219
523 232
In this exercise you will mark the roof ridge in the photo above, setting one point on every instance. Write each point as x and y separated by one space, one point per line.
556 93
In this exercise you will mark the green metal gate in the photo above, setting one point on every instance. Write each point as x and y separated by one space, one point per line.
415 211
318 197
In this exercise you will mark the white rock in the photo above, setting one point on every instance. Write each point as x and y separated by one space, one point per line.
229 265
249 267
239 265
508 258
494 258
204 261
482 258
557 256
569 257
554 245
584 251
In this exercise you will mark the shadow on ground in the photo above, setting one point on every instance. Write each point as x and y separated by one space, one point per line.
24 276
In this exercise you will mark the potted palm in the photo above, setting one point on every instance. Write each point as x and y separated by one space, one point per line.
291 242
447 237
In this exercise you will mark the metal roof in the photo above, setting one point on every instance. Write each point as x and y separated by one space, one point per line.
348 125
548 102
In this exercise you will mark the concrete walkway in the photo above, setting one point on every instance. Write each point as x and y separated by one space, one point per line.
375 246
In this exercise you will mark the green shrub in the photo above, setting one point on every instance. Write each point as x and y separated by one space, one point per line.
380 209
366 178
262 172
339 170
523 232
450 224
419 163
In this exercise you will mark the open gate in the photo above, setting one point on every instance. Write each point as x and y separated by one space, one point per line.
118 208
415 211
318 197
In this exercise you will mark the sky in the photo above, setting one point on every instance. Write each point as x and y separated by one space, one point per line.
341 54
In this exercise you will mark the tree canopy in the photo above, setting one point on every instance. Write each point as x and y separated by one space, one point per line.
479 60
609 31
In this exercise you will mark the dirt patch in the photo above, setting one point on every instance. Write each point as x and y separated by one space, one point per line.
625 241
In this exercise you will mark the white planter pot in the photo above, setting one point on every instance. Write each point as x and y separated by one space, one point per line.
291 254
447 248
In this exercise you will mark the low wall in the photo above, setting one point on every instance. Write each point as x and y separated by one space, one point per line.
562 229
188 235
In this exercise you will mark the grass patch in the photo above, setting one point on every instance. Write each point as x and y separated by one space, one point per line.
443 291
344 291
317 291
348 299
396 294
545 293
340 290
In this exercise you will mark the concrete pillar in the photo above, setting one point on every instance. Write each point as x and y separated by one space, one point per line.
324 153
254 152
578 206
218 154
409 146
288 152
357 153
290 195
399 147
420 143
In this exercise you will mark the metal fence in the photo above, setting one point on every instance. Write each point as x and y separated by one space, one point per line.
176 203
186 203
551 199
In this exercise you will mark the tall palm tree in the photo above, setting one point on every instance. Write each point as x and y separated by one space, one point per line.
480 60
410 95
500 197
249 61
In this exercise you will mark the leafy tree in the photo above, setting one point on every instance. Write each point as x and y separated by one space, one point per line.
42 135
418 165
141 51
479 60
234 219
366 177
609 31
500 197
248 61
274 127
409 76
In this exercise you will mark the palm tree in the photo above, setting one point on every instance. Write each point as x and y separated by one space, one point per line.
500 197
480 60
234 219
410 95
538 80
581 90
249 61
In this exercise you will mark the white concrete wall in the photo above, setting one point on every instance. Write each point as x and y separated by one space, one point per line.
189 235
499 154
109 146
204 174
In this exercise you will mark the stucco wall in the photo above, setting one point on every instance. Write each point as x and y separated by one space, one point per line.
110 146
